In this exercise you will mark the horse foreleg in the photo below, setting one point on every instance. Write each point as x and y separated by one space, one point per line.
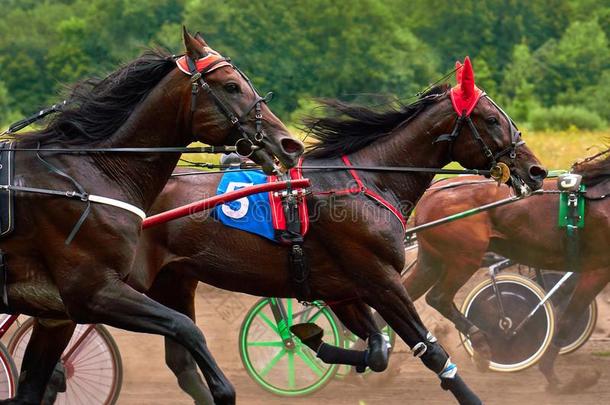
181 297
357 317
588 286
391 300
441 297
42 354
118 305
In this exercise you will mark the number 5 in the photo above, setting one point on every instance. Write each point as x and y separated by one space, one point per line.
244 203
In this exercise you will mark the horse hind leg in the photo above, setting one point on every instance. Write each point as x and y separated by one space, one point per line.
118 305
589 285
181 297
441 297
48 341
424 275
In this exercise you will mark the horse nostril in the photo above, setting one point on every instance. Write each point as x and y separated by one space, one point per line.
537 172
292 146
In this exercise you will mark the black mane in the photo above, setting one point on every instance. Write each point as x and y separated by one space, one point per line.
96 108
594 169
350 127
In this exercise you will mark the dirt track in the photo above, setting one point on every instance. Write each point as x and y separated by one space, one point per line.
148 381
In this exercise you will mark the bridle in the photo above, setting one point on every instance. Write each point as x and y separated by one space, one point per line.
464 119
197 69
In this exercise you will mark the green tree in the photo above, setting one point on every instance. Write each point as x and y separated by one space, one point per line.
319 48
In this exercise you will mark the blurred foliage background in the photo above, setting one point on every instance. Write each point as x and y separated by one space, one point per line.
546 61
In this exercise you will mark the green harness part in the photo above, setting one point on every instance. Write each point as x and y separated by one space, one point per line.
568 217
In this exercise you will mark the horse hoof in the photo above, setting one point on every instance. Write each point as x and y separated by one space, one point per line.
482 351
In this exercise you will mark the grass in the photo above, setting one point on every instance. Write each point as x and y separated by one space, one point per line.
558 150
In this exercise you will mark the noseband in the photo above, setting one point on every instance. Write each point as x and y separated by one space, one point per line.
197 69
464 119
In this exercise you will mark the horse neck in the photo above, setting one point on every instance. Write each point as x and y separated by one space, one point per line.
408 146
155 123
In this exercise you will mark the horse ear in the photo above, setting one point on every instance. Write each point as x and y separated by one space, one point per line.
192 47
458 72
200 39
467 79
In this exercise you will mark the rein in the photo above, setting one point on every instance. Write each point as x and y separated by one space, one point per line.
196 149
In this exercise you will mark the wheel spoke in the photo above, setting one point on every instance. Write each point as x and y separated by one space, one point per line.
272 363
291 371
269 323
315 316
310 363
289 312
266 344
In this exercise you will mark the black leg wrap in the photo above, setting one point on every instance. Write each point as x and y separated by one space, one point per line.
437 360
434 357
335 355
460 390
378 353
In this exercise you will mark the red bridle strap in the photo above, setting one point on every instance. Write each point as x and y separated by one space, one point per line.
206 64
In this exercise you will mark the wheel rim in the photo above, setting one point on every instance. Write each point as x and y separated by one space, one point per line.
286 371
92 376
8 375
581 330
519 297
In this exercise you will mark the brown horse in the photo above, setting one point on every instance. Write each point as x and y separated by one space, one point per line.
150 102
354 246
525 231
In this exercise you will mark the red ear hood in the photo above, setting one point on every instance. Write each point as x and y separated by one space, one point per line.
465 94
458 72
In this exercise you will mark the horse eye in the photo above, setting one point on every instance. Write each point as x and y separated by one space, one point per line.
232 88
492 121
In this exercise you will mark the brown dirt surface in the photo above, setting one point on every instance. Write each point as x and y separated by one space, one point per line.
219 314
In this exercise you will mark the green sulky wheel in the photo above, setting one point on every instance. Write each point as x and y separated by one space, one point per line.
275 358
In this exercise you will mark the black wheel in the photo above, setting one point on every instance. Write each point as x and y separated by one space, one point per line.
510 351
583 328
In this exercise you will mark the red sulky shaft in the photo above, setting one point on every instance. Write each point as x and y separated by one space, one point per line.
221 199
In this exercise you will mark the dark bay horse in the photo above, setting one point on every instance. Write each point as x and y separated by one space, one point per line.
354 246
525 231
150 102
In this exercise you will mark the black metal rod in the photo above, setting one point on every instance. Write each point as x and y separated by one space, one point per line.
197 149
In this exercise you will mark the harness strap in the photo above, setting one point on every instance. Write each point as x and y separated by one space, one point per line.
373 195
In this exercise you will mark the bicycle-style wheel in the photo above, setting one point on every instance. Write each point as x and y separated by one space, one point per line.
8 374
511 350
94 371
582 329
275 358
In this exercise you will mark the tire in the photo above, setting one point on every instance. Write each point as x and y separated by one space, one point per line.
581 330
519 296
94 372
271 364
8 374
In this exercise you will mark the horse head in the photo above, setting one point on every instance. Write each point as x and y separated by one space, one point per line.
222 105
